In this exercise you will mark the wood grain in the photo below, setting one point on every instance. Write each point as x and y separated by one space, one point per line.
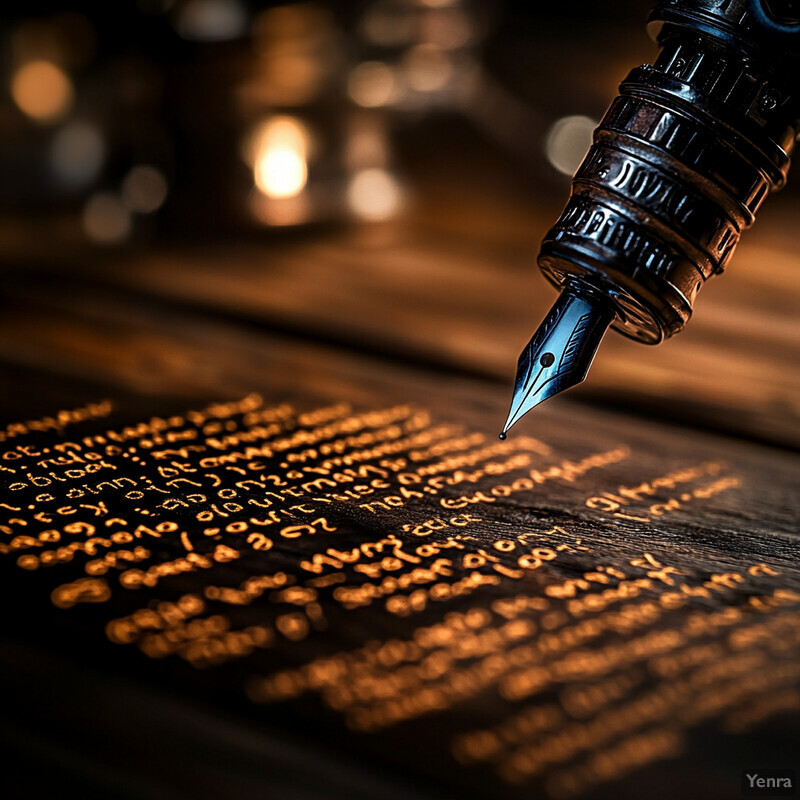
697 734
471 302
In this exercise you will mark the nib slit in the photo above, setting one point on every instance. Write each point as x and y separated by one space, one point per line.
563 347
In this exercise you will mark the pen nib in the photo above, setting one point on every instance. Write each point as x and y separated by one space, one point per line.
559 354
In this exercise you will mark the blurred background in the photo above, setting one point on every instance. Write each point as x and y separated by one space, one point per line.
169 119
373 173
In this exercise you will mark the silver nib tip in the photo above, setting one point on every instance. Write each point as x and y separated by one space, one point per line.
559 354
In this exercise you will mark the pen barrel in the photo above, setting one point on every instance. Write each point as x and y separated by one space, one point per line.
680 163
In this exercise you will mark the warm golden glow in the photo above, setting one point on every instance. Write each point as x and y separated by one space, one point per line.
281 172
42 90
279 154
568 141
374 194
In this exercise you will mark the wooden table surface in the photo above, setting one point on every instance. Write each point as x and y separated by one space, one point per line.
454 285
604 606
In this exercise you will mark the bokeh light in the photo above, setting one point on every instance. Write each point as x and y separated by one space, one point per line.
211 20
42 90
144 189
76 155
427 68
372 84
105 219
278 152
568 141
374 195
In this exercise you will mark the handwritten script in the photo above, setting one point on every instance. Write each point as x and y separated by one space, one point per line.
400 568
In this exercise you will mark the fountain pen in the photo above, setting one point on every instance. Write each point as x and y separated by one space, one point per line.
678 168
